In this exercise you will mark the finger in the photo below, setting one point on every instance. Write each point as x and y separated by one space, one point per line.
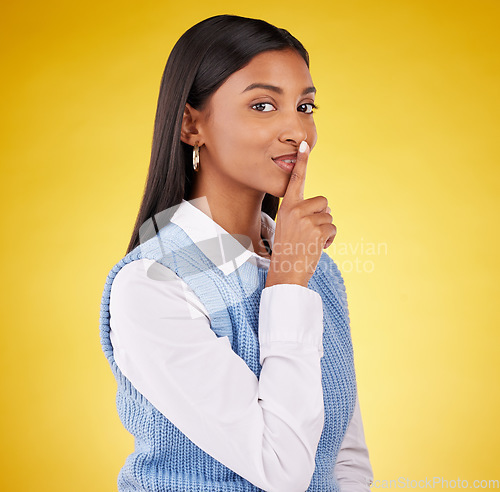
295 189
315 205
328 243
331 237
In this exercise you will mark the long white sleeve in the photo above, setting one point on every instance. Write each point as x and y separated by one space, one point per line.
353 468
266 430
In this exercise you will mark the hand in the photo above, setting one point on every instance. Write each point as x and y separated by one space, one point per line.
303 229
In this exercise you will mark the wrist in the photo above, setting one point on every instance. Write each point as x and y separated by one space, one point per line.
285 279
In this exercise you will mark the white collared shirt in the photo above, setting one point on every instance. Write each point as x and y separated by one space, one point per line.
163 343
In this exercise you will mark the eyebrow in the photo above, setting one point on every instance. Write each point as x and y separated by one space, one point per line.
278 90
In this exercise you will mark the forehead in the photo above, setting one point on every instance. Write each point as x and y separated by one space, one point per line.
285 69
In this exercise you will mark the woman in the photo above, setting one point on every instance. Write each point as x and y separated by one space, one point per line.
227 331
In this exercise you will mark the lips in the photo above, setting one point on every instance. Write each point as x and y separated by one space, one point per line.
286 162
286 157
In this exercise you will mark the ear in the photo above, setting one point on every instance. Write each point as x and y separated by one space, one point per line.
190 129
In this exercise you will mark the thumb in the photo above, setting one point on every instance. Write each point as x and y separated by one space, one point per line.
295 188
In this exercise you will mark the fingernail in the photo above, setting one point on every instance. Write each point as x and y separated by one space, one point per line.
303 146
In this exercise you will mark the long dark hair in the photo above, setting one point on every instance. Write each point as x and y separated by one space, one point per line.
201 60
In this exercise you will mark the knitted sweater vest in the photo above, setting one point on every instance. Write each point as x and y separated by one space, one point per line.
164 459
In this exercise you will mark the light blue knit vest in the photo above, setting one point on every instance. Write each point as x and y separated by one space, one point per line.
164 458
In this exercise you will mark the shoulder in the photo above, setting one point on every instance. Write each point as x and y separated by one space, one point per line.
140 274
147 287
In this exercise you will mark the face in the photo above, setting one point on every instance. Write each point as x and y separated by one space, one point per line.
260 114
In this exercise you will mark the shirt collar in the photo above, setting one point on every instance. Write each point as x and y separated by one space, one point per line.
228 254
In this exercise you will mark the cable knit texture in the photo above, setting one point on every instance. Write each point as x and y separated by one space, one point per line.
164 459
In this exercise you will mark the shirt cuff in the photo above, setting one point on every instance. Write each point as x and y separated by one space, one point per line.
291 313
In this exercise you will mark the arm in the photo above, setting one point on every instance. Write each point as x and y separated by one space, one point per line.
353 469
266 430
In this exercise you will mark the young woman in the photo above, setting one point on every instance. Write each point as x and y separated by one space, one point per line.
225 324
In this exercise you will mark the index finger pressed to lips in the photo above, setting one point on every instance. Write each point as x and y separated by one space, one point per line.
295 188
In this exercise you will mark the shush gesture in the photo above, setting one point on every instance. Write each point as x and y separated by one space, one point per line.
303 229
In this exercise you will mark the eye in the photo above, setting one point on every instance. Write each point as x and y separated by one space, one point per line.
263 107
307 108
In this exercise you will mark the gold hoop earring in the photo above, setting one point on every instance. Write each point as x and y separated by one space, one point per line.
196 157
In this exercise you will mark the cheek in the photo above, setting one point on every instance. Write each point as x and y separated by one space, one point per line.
239 133
231 141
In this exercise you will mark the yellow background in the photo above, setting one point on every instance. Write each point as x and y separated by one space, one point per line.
408 156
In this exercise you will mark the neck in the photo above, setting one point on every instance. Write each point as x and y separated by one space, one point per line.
237 213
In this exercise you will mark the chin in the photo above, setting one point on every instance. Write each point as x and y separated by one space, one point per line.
278 191
277 187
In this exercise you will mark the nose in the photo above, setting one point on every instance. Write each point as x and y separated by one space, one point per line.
292 128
